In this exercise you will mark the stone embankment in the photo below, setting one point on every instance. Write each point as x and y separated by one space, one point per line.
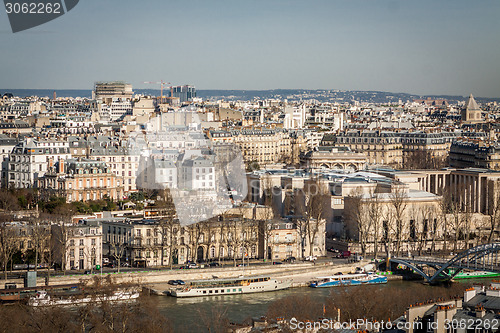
300 274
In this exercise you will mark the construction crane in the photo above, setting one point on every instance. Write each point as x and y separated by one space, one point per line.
161 83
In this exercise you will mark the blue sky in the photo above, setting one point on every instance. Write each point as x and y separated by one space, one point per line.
423 47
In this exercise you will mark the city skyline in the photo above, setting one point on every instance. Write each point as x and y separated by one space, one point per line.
426 48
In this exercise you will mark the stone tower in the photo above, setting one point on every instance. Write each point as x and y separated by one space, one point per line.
471 113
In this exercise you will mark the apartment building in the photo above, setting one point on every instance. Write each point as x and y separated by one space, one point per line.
77 246
286 240
29 160
81 180
122 161
264 146
393 147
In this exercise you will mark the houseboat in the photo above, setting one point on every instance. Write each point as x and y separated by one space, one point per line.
230 286
348 280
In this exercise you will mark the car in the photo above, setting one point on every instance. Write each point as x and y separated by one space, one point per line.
180 282
290 259
125 264
173 282
214 264
311 258
357 258
192 265
277 263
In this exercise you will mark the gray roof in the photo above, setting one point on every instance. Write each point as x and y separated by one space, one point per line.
489 302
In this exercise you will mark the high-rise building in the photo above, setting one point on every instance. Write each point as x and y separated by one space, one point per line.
184 93
106 91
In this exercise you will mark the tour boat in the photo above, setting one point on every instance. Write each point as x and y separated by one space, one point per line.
348 280
230 286
475 275
43 299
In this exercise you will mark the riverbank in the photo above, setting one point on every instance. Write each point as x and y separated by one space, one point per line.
299 273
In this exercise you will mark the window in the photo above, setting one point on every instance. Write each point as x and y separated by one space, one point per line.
81 242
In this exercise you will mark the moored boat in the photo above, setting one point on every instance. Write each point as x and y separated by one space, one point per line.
476 275
43 299
230 286
348 280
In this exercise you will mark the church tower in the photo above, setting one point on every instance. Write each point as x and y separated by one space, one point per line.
471 113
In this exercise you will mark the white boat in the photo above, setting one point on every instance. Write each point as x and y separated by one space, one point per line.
230 286
43 299
348 280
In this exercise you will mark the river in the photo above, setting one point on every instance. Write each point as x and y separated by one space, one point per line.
185 313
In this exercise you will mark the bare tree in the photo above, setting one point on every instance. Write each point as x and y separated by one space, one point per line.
398 202
427 214
268 216
445 207
234 236
8 242
358 216
312 207
60 243
40 237
166 226
223 241
436 225
117 248
195 232
374 216
493 207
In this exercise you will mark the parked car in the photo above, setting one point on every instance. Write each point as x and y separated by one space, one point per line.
125 264
290 259
311 258
180 282
277 263
173 282
343 254
356 257
214 264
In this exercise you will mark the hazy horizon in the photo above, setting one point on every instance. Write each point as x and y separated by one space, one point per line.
449 47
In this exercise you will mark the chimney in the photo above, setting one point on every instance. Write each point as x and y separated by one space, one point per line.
480 312
61 166
469 294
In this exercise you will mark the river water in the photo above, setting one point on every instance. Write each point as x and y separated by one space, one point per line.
185 313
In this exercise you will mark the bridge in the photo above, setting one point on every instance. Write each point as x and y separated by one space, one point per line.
480 258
